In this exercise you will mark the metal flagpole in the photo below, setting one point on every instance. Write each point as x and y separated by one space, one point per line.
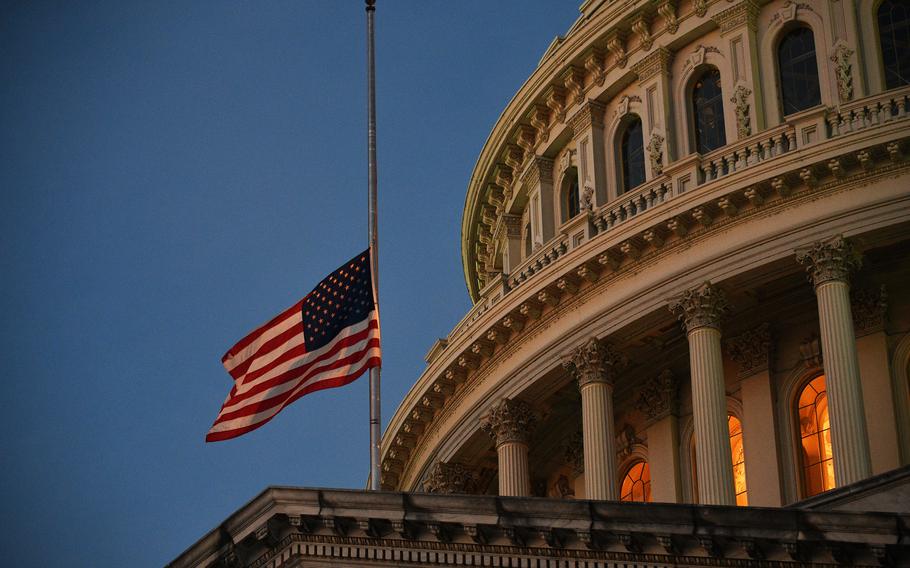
375 409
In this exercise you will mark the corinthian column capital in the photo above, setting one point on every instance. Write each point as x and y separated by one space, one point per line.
829 260
509 420
594 362
752 350
449 478
703 306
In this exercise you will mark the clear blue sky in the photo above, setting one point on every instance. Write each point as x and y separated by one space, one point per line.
175 173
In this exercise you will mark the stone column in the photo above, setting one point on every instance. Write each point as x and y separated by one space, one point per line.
829 264
594 366
752 351
510 423
701 310
657 400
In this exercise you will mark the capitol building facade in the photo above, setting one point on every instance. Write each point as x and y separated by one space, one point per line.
687 241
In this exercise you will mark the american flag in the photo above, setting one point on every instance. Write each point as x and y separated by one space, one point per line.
327 339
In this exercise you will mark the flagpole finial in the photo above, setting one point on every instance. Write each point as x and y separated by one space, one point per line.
371 5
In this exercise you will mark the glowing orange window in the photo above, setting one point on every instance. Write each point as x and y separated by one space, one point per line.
636 485
815 435
739 460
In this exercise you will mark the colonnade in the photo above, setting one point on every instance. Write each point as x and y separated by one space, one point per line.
595 366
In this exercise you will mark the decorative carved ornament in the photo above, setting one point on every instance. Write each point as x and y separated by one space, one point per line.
574 79
509 420
701 8
587 198
843 71
626 441
810 350
590 114
870 310
656 154
751 350
789 11
704 306
654 64
575 452
556 101
642 27
658 397
740 101
540 170
450 478
699 55
596 66
625 102
595 362
744 13
829 260
616 45
567 160
667 10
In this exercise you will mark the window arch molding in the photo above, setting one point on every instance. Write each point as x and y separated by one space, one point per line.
566 180
777 31
637 453
712 57
788 430
626 107
636 178
687 450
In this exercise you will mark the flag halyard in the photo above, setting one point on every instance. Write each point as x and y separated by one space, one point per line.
326 340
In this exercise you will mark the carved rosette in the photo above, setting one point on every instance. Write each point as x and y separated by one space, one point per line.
658 397
751 350
594 362
450 478
704 306
831 260
509 420
870 310
575 453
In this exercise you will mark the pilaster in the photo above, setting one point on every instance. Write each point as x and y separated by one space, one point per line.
869 308
654 81
752 351
658 400
739 27
587 126
538 178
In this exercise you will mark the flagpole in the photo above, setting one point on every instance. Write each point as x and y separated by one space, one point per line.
375 433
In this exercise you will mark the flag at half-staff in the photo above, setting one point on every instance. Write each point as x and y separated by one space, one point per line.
327 339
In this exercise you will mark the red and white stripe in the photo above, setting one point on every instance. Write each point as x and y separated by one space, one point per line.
272 368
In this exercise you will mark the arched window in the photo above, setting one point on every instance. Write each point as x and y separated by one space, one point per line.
636 485
632 155
528 244
708 112
573 204
739 460
894 35
798 71
815 436
735 428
